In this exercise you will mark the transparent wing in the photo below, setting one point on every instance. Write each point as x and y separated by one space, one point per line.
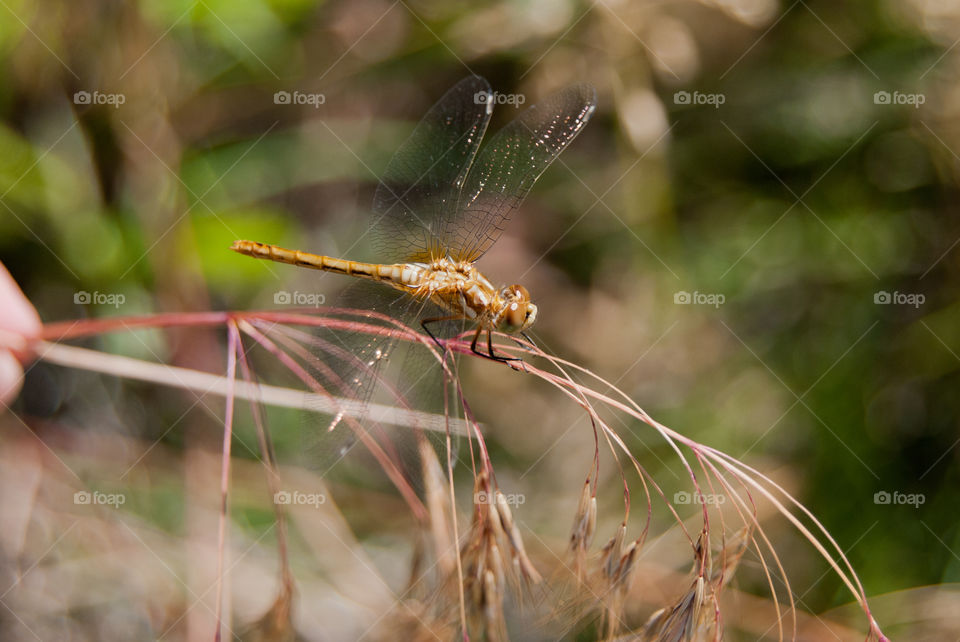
420 187
363 367
352 364
508 166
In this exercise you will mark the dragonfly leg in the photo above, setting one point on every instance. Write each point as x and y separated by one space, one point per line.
490 352
424 322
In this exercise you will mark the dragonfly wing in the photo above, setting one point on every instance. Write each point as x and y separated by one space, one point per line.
352 364
376 368
421 185
508 166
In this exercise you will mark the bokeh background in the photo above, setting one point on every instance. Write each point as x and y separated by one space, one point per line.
789 168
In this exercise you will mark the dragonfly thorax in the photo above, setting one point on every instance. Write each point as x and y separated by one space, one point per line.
460 288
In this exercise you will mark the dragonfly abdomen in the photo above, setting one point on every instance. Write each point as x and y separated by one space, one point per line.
399 273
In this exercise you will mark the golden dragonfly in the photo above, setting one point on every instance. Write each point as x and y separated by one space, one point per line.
442 202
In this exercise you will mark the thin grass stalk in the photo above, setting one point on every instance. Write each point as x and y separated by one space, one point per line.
273 477
232 347
209 383
455 522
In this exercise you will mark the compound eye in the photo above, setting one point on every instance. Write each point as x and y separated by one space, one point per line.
519 316
519 292
531 316
516 316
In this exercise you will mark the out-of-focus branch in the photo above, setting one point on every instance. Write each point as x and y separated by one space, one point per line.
205 382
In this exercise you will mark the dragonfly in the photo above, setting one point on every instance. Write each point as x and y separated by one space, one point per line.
441 203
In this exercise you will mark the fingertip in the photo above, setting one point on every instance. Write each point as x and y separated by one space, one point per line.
17 315
11 377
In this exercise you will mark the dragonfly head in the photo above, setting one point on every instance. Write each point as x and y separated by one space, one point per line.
518 312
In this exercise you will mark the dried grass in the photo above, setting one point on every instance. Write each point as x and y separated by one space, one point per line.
474 582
